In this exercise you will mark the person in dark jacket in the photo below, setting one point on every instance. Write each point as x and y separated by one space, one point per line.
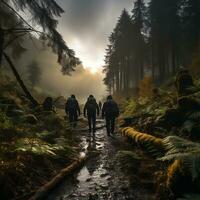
110 111
72 109
91 108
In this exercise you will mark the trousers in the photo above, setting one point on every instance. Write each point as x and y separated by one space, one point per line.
92 122
110 125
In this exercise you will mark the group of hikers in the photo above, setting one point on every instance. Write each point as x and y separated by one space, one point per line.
91 110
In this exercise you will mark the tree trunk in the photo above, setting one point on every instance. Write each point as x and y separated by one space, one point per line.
117 81
121 79
20 81
1 44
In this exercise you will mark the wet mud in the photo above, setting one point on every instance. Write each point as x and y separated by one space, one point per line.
101 178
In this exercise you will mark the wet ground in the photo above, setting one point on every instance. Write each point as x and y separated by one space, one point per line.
100 178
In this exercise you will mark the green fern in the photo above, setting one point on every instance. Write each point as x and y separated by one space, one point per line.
169 149
37 146
187 151
195 116
5 122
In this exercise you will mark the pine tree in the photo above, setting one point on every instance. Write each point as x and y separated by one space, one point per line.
190 29
139 23
164 37
45 14
118 53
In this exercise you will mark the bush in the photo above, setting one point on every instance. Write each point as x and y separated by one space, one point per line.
5 123
129 107
146 87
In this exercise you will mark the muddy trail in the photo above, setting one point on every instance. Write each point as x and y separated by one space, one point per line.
101 177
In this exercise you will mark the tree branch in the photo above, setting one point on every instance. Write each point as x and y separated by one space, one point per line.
10 42
10 31
12 9
20 81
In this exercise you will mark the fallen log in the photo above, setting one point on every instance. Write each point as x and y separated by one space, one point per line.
44 190
151 144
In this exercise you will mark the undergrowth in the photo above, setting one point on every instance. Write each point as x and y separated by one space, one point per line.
30 153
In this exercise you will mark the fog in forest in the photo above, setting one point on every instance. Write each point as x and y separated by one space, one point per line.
82 82
86 27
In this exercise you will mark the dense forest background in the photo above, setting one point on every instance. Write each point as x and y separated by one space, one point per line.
40 54
151 43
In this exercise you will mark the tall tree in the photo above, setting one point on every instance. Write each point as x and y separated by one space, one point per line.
139 23
164 35
118 54
165 29
190 18
45 14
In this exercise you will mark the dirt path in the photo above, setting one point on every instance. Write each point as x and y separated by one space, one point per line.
100 178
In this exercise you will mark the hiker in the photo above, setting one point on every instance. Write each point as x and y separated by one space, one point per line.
110 111
48 104
100 105
92 109
72 109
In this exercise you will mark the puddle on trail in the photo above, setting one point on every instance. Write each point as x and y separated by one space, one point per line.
98 179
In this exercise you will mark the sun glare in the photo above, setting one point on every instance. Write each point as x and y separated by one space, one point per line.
90 60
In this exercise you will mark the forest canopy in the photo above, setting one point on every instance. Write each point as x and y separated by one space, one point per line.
15 25
155 39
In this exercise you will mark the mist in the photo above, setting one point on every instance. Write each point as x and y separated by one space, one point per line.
85 26
82 82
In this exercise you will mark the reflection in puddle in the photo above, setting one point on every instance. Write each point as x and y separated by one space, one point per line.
94 175
83 175
96 179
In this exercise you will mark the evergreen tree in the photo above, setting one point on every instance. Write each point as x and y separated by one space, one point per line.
164 37
139 23
190 16
118 53
45 14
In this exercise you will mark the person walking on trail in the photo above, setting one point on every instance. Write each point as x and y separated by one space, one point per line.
91 109
72 109
110 111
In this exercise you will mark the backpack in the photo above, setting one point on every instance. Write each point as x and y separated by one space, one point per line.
91 106
71 104
112 109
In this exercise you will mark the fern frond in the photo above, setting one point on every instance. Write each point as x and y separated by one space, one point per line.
185 150
180 144
195 116
173 147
